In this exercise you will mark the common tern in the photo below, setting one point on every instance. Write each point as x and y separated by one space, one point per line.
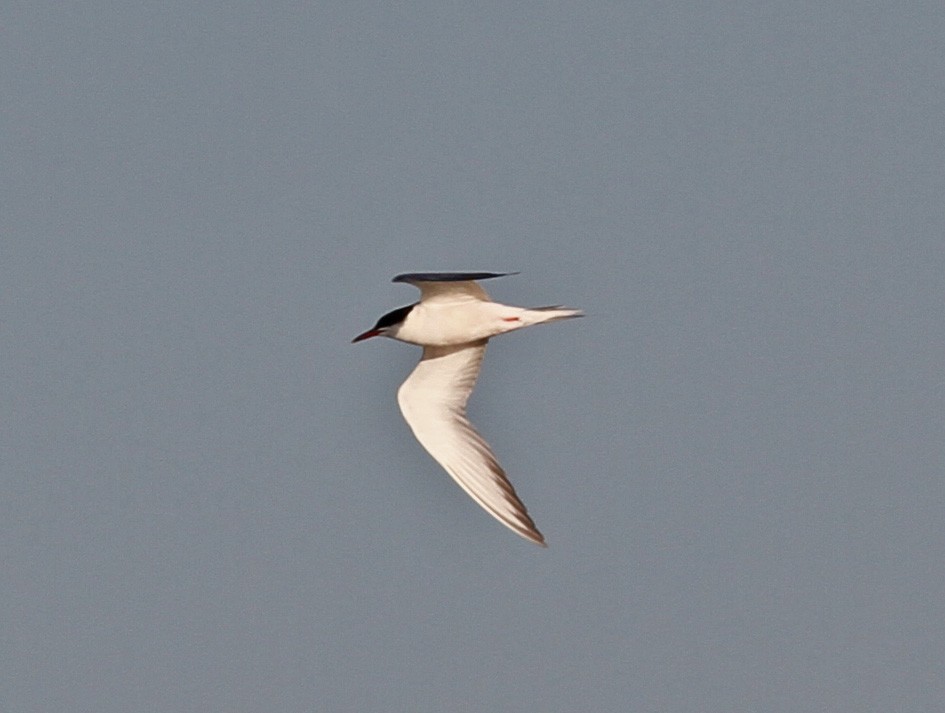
453 321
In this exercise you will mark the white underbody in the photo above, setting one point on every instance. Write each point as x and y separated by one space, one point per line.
443 323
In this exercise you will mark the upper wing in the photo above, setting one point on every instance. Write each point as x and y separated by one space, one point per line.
449 285
433 401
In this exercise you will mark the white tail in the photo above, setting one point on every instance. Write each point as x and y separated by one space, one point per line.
540 315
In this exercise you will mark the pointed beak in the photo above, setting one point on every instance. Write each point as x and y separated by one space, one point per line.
366 335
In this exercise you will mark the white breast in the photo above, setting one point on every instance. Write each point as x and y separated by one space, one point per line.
444 324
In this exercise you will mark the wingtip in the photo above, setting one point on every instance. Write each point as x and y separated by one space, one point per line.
529 533
534 537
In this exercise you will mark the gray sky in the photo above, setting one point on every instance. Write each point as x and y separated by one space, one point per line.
209 499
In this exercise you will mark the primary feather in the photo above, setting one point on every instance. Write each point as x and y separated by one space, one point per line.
433 402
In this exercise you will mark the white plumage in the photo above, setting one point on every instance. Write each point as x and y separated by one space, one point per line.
453 322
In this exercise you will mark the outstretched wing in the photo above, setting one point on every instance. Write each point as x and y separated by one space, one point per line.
433 402
452 286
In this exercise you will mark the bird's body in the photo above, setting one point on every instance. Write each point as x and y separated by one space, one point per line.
453 322
442 323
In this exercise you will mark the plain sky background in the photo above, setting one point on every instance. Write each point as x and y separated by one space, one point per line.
210 502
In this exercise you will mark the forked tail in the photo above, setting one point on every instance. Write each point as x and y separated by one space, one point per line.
540 315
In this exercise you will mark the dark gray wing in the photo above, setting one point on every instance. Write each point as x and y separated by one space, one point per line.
414 277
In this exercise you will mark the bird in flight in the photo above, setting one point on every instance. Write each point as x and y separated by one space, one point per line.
453 321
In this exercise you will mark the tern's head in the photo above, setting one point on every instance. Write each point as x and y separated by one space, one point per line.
387 325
